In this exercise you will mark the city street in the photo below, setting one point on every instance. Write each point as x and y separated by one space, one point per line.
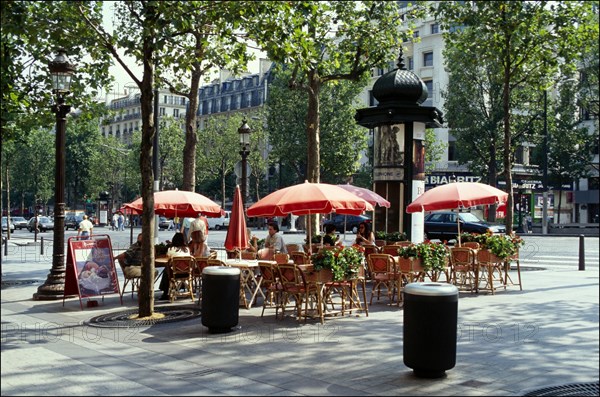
561 252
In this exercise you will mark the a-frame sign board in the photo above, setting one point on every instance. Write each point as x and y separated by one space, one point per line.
90 268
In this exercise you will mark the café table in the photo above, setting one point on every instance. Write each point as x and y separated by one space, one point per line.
250 280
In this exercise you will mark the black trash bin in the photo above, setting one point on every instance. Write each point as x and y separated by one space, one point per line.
220 298
430 324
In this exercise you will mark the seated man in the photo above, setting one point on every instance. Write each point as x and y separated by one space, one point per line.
273 243
131 260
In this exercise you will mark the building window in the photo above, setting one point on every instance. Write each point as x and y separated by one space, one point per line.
452 150
519 155
429 85
175 112
411 63
161 111
165 99
435 28
428 58
416 34
372 100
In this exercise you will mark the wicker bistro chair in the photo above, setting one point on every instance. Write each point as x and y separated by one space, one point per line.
273 290
130 276
464 269
390 249
383 274
294 286
181 269
300 258
491 270
281 258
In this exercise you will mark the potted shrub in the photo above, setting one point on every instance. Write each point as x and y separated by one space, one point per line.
501 245
433 257
391 238
380 238
343 262
160 249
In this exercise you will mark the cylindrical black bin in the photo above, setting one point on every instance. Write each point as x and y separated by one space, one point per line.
430 317
220 298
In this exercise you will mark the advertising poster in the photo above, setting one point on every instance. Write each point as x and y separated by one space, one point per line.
90 267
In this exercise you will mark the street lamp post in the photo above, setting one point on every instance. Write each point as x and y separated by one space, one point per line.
61 71
545 170
244 132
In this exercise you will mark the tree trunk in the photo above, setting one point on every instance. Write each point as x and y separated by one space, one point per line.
492 180
314 147
508 221
146 289
191 139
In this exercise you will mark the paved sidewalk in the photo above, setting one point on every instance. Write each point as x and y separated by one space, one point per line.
508 344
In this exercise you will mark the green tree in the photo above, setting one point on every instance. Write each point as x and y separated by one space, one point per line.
202 35
522 45
343 138
172 141
325 42
219 141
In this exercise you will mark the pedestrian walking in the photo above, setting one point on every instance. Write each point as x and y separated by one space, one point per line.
121 222
115 221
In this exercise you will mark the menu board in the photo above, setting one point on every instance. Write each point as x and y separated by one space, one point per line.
90 268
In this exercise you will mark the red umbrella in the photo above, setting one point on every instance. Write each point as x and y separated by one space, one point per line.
309 198
457 195
237 234
366 194
171 203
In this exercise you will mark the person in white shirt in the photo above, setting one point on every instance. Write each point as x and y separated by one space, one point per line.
273 243
85 228
178 248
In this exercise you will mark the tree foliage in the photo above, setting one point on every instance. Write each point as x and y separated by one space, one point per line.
523 46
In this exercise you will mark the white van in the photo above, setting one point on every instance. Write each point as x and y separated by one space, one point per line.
219 223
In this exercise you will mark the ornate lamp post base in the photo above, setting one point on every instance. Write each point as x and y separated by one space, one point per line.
53 288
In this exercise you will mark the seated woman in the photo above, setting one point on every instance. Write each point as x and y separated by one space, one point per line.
364 236
330 239
178 248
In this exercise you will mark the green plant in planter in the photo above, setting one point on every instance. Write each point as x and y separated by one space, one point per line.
160 249
315 239
501 245
396 236
433 256
260 243
344 262
380 235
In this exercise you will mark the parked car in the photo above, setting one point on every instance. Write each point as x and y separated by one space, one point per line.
44 224
163 223
351 221
19 222
219 223
72 221
5 225
444 226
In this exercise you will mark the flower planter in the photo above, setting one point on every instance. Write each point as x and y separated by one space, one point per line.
318 276
380 243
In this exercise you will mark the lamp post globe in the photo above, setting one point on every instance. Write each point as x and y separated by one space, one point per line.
61 71
244 132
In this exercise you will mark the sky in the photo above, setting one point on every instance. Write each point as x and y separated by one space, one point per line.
123 80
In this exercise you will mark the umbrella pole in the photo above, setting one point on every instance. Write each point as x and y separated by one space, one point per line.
458 224
345 226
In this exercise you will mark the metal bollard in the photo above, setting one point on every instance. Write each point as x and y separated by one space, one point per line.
581 252
42 245
5 246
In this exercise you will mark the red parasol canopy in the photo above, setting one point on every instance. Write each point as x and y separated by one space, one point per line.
309 198
457 195
171 203
366 194
237 234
